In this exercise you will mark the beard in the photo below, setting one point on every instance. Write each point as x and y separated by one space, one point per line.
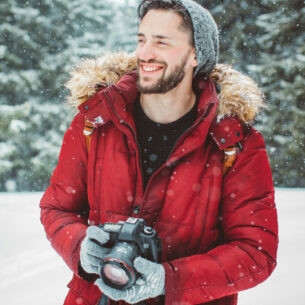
166 82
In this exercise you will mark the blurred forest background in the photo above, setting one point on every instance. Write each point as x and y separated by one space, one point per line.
41 41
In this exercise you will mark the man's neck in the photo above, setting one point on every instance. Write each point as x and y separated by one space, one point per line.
167 107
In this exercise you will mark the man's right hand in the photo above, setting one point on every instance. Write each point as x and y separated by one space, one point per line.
92 252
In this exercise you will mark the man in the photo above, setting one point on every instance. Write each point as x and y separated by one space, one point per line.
157 152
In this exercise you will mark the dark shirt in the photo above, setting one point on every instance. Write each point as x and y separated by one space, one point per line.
157 140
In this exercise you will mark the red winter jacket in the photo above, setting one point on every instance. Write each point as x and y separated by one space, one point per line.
219 233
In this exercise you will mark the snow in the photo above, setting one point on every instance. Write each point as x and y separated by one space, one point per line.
32 273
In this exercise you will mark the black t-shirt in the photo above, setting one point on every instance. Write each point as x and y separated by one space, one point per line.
157 140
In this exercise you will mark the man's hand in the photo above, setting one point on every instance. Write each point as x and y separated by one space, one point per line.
150 283
92 252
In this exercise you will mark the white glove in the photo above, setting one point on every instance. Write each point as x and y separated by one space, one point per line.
91 251
150 283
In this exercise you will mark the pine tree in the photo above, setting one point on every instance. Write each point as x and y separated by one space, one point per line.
123 27
281 70
39 43
265 39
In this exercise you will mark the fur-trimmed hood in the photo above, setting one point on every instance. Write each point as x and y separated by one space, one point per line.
238 96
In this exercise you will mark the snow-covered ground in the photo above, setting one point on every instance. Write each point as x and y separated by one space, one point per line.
31 273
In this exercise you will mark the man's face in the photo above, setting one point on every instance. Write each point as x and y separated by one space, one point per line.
164 54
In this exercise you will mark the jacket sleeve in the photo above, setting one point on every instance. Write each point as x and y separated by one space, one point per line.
248 221
64 205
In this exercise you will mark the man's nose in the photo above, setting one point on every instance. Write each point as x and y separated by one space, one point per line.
146 52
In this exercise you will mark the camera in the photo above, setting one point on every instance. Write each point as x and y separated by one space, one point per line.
128 240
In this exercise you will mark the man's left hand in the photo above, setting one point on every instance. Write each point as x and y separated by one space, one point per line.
150 283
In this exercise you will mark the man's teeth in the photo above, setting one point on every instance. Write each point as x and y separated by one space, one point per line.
150 69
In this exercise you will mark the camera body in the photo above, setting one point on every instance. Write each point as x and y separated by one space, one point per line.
128 240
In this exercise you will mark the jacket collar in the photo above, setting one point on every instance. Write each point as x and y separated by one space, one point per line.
239 96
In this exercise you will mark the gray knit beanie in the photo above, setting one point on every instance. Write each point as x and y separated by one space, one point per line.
205 36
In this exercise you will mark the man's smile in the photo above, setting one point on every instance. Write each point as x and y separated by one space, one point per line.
151 68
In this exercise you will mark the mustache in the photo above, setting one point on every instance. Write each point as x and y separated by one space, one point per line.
151 61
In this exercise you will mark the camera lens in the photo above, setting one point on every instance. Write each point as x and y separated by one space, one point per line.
116 273
117 267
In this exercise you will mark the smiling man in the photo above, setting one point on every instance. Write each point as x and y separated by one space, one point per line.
148 207
166 58
166 61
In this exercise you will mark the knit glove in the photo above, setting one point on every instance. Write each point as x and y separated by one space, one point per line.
149 284
91 251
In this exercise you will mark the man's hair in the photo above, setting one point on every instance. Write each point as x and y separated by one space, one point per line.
168 5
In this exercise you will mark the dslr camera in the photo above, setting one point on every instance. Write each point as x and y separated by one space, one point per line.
128 240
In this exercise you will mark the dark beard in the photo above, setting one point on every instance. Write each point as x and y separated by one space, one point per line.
164 84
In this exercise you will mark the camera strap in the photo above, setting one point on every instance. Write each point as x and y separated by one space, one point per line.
87 132
104 300
228 134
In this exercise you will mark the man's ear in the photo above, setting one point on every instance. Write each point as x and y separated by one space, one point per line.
194 61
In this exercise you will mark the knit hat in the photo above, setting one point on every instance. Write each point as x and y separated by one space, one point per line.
205 36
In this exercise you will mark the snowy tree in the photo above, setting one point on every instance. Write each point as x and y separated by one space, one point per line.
281 70
40 42
123 27
265 39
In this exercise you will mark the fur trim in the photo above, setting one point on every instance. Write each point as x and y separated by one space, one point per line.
93 74
239 95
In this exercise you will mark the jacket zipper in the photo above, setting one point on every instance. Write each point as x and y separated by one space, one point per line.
204 115
182 136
